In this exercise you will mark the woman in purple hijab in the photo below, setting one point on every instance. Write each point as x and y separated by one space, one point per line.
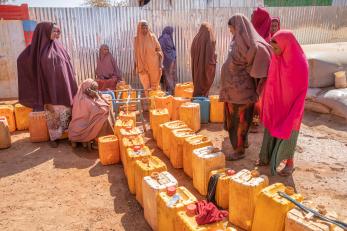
107 72
46 79
169 50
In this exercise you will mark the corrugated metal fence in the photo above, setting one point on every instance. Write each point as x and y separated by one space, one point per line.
85 29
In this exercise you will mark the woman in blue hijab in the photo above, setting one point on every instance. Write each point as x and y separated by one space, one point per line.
169 63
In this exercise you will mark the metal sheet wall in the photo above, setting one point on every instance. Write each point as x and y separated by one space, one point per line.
339 3
195 4
85 29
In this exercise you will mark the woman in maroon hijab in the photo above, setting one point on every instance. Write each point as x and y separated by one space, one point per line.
204 60
261 21
242 76
107 71
46 79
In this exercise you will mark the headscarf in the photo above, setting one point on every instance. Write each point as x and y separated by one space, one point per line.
106 65
204 60
45 73
88 115
248 59
261 21
146 57
278 20
284 94
167 46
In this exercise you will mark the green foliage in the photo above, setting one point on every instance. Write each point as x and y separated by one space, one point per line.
297 2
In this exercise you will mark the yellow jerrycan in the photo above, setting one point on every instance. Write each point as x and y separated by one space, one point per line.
189 144
176 104
176 150
151 187
108 148
8 112
129 142
171 202
134 153
22 116
189 113
145 167
244 188
216 110
204 160
166 134
157 117
271 209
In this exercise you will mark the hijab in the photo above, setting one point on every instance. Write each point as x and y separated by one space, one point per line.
88 114
45 73
168 47
285 91
278 20
106 65
204 60
261 21
248 60
145 49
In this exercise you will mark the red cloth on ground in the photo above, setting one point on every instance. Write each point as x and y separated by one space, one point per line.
208 213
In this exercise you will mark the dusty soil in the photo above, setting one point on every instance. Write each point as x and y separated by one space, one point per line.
65 189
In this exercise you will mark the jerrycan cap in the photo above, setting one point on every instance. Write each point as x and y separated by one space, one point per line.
204 139
289 190
191 210
170 191
230 172
255 172
145 160
128 128
155 175
136 148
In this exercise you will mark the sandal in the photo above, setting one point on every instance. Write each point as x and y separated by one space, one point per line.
259 163
286 171
234 156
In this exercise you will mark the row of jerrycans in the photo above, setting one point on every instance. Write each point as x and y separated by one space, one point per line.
251 201
17 116
168 207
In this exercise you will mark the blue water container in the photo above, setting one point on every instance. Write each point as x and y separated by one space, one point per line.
111 93
204 108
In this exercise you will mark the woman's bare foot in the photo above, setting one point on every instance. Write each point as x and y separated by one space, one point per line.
286 171
234 156
260 163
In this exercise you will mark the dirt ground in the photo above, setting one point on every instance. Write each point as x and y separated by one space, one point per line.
42 188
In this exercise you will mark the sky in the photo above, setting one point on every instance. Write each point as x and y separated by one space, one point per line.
49 3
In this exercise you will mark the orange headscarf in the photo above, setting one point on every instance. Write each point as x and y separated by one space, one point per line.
148 54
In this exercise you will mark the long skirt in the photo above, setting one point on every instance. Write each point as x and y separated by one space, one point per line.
170 75
58 121
274 150
150 80
237 120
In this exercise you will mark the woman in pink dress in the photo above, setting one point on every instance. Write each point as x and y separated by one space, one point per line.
283 102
